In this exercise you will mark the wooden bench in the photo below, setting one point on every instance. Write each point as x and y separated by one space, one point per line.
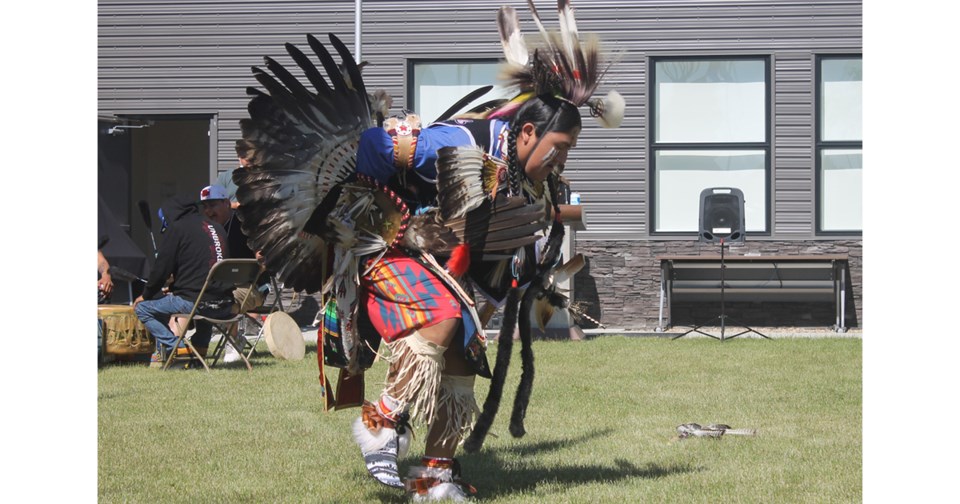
800 278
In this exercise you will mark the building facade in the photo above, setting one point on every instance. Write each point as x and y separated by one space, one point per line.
759 95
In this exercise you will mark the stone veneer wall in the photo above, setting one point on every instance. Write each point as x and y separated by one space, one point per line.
620 285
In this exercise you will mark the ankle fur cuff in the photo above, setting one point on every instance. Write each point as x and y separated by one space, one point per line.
370 441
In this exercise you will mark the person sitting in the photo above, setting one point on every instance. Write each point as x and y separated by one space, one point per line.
192 244
104 280
215 203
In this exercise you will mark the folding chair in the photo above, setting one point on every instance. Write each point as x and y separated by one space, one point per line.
232 272
265 309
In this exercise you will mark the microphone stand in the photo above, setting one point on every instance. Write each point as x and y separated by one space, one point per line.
723 307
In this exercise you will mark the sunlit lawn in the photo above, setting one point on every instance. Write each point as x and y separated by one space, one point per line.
601 428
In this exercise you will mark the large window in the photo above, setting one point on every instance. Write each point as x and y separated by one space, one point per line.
839 144
434 86
709 129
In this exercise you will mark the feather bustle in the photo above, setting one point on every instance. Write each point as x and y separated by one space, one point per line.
300 144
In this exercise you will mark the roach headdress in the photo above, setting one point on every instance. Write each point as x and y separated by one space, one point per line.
564 64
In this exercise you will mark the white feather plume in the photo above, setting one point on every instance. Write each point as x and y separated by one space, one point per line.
568 29
536 19
514 48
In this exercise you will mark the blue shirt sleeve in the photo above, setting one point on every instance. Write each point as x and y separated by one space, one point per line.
433 139
375 152
375 155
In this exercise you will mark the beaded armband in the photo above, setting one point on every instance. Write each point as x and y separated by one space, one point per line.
404 132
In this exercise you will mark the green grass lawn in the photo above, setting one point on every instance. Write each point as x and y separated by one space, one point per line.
601 427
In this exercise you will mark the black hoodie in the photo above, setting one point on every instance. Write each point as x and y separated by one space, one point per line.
191 245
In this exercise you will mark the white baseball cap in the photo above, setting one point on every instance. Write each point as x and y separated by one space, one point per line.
213 192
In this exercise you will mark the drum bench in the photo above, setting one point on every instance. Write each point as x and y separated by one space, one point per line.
791 278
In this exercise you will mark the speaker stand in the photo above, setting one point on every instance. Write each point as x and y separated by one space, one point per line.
723 309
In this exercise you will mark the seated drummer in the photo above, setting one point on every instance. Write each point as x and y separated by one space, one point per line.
191 245
216 206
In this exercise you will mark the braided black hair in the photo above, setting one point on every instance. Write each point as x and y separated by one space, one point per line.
514 179
553 188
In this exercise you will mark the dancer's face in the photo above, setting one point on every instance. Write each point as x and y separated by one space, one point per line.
540 157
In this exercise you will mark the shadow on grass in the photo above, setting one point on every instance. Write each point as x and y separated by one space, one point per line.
495 476
497 482
542 446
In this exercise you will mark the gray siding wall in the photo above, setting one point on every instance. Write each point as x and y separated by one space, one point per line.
195 57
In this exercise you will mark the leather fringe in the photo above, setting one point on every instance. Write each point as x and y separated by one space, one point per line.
420 364
456 399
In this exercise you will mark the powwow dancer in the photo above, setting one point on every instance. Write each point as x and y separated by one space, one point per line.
364 208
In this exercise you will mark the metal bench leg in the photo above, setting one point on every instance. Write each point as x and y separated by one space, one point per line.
843 299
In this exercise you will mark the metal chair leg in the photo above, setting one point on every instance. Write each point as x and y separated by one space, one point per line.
256 340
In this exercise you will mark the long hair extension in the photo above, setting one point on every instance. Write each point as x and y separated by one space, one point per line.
522 399
504 348
549 256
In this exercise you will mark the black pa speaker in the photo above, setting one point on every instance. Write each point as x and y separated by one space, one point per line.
721 215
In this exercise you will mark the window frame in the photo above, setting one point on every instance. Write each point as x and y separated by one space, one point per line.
410 101
820 145
653 146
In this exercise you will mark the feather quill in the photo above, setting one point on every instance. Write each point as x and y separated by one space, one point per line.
494 173
514 48
463 102
568 34
309 69
536 19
